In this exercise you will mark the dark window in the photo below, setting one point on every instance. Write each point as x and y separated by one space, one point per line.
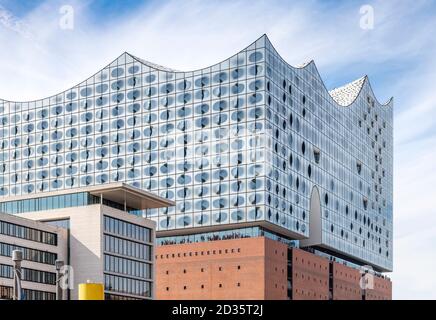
359 167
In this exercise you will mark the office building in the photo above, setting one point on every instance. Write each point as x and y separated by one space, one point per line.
106 242
41 245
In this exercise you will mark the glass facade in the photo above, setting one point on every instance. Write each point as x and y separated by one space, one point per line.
108 296
127 285
250 232
14 230
245 140
127 258
7 294
6 271
127 267
62 223
126 229
28 253
56 202
128 248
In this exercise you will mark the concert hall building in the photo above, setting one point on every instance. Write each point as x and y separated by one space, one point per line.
282 188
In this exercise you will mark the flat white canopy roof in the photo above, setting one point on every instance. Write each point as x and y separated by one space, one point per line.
118 192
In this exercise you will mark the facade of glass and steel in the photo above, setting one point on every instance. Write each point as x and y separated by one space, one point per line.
248 141
127 254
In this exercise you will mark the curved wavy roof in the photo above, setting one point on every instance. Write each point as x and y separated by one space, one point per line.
343 96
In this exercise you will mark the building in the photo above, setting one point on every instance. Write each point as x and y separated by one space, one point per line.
225 269
250 142
105 243
252 263
41 245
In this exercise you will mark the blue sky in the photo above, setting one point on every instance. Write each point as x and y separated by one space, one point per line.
42 59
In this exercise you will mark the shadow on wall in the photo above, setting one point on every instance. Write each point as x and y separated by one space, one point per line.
86 258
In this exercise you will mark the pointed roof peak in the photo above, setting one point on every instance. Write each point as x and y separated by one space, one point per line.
346 94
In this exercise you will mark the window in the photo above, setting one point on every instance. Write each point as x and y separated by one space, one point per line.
127 285
127 267
365 203
127 229
28 254
127 248
17 231
316 155
28 294
6 271
359 167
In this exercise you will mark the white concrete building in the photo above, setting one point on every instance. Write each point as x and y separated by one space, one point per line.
106 244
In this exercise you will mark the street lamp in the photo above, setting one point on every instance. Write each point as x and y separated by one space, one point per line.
59 293
17 257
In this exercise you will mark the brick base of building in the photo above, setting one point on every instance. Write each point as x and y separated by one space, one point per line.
256 268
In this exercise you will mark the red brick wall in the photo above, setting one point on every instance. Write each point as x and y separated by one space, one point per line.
254 268
310 276
224 269
346 283
276 273
382 290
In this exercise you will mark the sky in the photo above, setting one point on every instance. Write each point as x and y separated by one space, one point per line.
49 46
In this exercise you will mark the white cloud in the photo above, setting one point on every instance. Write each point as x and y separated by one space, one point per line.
192 34
12 23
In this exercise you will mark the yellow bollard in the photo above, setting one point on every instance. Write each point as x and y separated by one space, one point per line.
91 291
